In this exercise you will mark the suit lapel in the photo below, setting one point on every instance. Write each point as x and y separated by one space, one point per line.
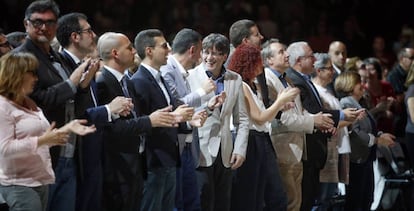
112 82
41 56
147 74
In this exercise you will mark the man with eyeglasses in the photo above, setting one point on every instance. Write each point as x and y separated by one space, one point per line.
397 77
301 62
5 46
78 40
55 93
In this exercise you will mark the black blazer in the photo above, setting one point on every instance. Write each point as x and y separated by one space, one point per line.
161 143
316 143
51 91
123 134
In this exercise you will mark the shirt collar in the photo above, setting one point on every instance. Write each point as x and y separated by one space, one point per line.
155 73
220 77
114 72
75 58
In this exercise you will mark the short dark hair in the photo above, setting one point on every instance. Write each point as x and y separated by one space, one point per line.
145 38
240 30
184 39
42 6
16 38
219 41
66 25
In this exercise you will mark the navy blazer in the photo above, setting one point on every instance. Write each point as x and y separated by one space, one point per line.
316 143
161 143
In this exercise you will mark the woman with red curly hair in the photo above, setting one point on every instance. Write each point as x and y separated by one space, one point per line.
257 184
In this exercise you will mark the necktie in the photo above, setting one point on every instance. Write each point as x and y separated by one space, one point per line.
283 80
163 87
124 87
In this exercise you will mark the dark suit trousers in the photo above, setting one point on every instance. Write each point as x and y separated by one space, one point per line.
215 184
310 185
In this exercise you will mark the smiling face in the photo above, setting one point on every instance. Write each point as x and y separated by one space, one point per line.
213 60
41 27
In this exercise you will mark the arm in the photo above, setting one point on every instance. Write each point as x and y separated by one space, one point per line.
260 117
410 105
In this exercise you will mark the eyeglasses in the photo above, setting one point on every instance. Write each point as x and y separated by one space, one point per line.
165 45
38 23
5 45
410 57
88 30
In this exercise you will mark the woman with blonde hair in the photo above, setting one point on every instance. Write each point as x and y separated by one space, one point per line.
364 138
26 135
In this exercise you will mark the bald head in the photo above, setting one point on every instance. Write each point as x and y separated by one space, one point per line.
338 53
107 42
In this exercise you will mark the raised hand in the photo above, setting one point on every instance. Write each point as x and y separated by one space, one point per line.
163 118
199 118
78 127
183 113
53 137
121 105
217 100
323 121
288 95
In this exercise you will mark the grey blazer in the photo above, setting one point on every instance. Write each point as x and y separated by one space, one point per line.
360 132
176 83
215 135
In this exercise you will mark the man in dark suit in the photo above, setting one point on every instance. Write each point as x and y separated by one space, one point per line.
54 93
77 38
301 60
123 169
151 93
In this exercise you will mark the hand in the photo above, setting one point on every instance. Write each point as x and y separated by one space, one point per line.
121 105
199 118
76 75
163 118
323 121
386 139
216 101
92 67
53 137
236 161
350 114
288 106
183 113
78 127
361 113
209 85
288 95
